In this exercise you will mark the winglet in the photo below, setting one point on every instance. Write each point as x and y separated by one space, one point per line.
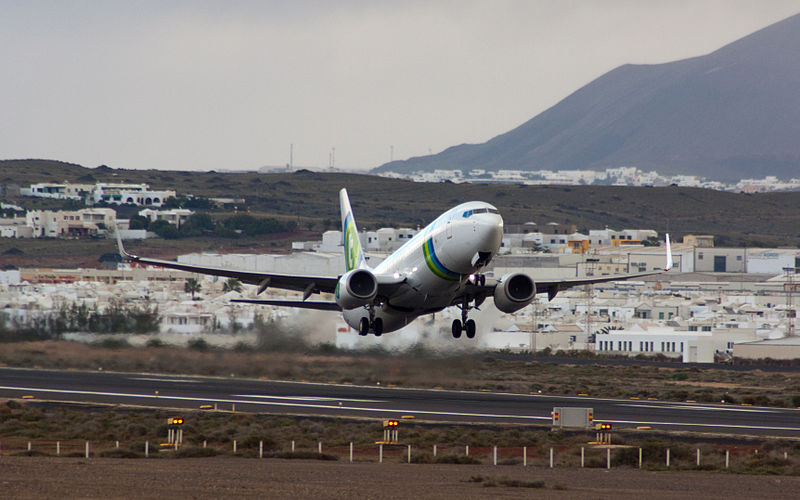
353 255
125 255
668 266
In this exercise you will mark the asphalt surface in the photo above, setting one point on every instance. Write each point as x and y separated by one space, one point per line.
298 398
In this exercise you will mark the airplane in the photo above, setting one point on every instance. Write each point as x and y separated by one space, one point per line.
441 266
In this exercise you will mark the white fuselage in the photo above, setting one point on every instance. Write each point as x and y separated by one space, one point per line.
436 264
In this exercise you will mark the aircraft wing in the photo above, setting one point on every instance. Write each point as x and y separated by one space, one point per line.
474 291
305 284
552 287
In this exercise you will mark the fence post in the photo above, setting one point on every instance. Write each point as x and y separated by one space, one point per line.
234 446
292 445
608 458
261 449
434 450
409 453
87 449
551 458
727 458
319 447
146 449
640 458
524 456
205 443
117 445
29 446
698 457
351 452
380 453
583 450
467 451
667 457
58 448
494 455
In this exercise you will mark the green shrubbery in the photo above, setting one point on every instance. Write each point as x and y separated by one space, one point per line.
202 224
117 317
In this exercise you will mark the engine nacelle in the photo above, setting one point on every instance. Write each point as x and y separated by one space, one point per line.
513 292
356 288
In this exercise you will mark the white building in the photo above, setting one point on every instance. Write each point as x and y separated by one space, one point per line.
175 216
15 227
135 194
112 193
65 223
65 191
689 346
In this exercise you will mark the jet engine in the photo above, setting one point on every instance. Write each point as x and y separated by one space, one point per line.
356 288
513 292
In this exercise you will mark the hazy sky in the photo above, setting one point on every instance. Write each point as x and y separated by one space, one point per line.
201 85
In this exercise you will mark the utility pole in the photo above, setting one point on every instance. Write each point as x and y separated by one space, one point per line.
789 287
590 266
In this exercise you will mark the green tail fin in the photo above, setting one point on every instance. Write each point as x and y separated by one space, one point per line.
353 255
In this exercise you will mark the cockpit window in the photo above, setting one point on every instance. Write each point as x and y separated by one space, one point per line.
485 210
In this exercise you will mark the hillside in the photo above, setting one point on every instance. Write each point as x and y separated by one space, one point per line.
731 114
770 219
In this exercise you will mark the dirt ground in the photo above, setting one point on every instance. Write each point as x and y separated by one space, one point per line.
228 477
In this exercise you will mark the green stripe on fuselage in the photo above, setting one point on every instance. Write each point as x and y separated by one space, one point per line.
435 265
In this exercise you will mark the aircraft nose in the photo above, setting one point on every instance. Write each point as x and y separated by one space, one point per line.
490 233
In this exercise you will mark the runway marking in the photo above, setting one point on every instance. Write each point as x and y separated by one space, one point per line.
722 426
700 407
276 403
176 380
308 398
386 410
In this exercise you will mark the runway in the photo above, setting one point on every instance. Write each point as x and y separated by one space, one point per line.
379 402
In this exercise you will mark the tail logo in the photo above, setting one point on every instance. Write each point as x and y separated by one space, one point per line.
351 245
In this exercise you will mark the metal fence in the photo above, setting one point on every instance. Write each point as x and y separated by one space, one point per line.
681 456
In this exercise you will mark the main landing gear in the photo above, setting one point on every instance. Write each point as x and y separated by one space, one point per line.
371 323
464 325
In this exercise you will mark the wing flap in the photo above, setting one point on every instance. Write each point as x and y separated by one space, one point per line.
319 306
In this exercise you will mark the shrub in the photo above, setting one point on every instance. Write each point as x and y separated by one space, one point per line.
457 459
304 455
196 452
113 343
119 453
198 344
155 342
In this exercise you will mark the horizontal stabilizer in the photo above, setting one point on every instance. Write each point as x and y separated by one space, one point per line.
320 306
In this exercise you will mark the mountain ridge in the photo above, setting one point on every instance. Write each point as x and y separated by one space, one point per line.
723 115
311 200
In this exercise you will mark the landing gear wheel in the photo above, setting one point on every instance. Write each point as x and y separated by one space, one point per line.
363 326
469 326
377 327
457 329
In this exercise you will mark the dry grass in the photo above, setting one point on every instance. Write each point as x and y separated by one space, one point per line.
208 433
